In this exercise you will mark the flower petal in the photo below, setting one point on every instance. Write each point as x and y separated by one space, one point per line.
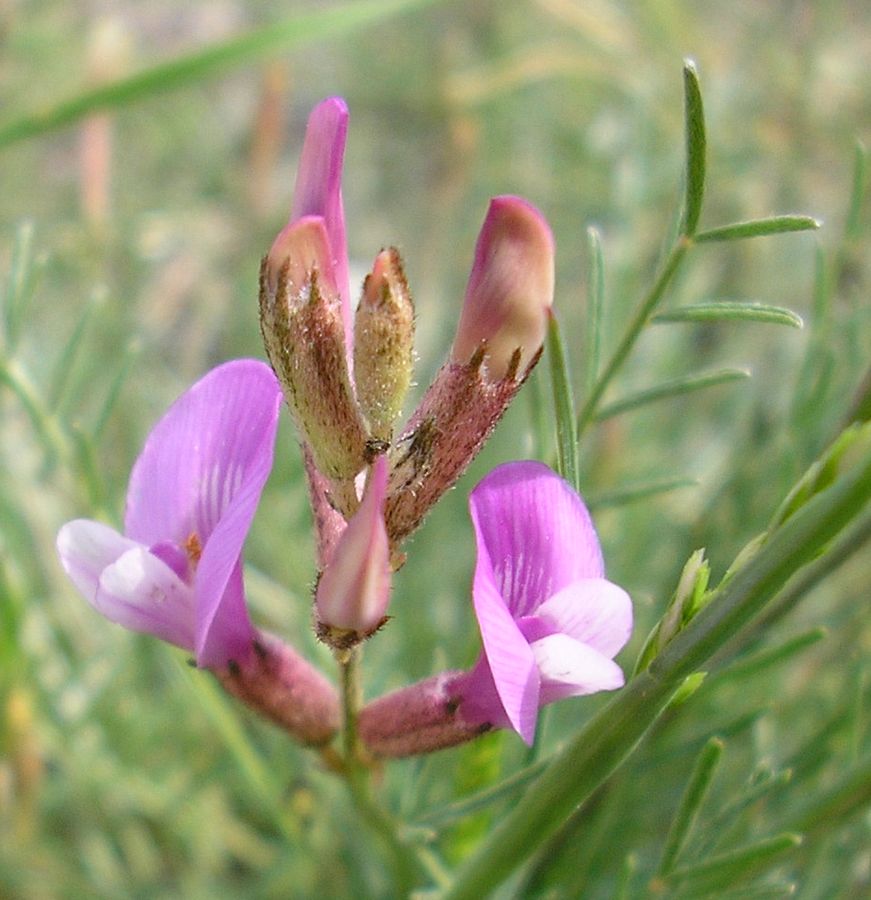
318 190
509 656
244 441
126 583
536 533
85 549
569 668
595 612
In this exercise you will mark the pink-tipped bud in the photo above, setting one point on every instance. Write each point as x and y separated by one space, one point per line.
354 589
301 321
510 290
303 247
383 344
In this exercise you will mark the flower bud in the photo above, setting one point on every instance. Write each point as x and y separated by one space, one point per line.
286 688
383 344
318 190
301 321
510 290
354 589
420 718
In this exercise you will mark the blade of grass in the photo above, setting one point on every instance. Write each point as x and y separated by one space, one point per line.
738 231
215 59
731 311
674 388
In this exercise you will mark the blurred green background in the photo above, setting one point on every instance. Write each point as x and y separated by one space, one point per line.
130 240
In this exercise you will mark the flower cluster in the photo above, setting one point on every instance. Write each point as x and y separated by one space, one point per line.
550 624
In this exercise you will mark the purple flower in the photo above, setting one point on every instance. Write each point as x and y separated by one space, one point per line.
176 572
550 623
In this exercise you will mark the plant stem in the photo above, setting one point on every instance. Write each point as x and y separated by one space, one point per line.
640 319
403 862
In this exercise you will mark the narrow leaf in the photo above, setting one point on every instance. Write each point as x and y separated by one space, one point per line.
849 796
760 662
461 809
114 392
758 228
563 405
762 785
60 378
19 284
731 868
595 305
731 311
853 227
672 388
690 804
640 490
694 125
254 45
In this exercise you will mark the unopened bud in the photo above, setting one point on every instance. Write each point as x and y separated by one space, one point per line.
301 321
383 344
354 589
510 290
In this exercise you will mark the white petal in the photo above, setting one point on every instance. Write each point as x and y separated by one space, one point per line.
593 611
569 668
86 548
126 583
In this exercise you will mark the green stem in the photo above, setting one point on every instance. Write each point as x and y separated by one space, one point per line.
636 326
349 665
406 870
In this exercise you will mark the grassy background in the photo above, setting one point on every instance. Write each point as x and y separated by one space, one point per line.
128 273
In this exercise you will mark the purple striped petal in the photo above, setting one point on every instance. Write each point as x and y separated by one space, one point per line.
215 440
508 654
537 533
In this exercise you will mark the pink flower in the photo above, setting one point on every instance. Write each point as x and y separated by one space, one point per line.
550 623
176 572
354 589
510 289
318 194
